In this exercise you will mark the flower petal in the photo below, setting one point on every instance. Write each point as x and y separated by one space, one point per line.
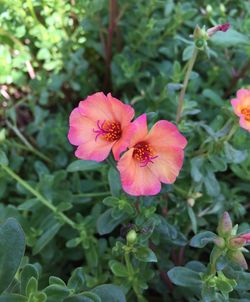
96 107
122 113
164 134
138 130
81 128
243 93
168 164
94 150
237 106
244 123
122 144
137 180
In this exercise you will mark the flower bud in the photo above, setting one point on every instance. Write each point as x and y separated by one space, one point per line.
237 257
236 243
225 225
198 33
131 237
222 8
200 43
220 242
2 135
197 195
191 202
209 9
221 27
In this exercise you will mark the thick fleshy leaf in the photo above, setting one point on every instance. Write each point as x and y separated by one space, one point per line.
110 293
184 277
202 239
83 165
12 246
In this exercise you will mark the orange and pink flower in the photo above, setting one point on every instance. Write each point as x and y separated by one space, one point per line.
241 107
153 157
99 124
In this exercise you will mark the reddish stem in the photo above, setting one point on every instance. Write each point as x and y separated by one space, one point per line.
113 15
239 75
167 281
181 256
137 205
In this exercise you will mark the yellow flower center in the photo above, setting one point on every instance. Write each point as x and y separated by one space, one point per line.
144 153
246 112
110 131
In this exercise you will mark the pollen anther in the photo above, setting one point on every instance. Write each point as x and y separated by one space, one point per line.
110 131
144 153
246 112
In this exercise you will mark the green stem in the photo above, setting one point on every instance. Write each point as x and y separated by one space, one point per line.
131 276
92 194
185 83
128 264
111 161
231 132
11 37
214 256
32 11
182 192
26 142
42 199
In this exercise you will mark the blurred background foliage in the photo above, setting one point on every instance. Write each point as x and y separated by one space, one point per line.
53 53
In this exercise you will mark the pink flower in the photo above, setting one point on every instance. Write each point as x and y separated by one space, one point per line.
246 237
153 157
99 124
241 107
221 27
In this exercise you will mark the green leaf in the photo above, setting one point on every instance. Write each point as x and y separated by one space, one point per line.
13 298
92 296
77 280
118 268
114 181
3 159
230 38
28 272
211 183
208 293
57 291
110 201
110 293
73 242
224 286
213 97
233 155
56 280
106 223
218 163
79 298
41 297
243 280
196 164
145 254
46 237
31 286
192 217
12 246
28 204
83 165
183 276
187 53
202 239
